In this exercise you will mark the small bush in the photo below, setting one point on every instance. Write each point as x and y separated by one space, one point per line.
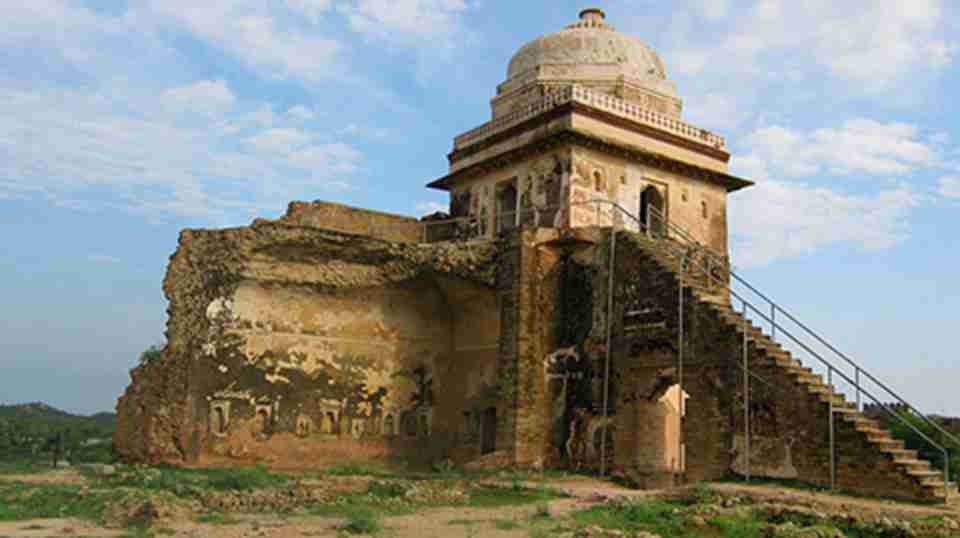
216 518
244 478
506 524
356 469
542 511
386 489
363 522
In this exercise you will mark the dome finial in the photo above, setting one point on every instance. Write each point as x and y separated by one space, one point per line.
592 14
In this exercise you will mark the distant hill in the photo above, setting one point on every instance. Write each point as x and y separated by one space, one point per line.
27 431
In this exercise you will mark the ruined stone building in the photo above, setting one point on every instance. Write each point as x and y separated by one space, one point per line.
570 311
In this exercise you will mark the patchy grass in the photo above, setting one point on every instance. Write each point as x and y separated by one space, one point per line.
493 497
20 501
506 524
216 518
23 467
184 482
816 488
659 517
361 469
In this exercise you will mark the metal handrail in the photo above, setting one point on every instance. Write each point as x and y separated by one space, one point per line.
830 367
777 308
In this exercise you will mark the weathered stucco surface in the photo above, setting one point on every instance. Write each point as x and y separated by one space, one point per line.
296 344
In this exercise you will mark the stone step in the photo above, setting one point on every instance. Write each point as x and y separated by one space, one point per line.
928 478
904 453
807 377
913 464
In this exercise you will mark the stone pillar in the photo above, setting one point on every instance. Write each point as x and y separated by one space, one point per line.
535 340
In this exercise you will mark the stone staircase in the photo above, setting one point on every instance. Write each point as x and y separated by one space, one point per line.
766 352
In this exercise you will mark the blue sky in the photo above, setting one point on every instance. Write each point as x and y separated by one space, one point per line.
122 123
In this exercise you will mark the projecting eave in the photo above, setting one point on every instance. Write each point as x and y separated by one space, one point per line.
657 160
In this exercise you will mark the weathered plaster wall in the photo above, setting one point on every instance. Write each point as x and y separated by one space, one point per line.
542 184
570 178
695 205
296 345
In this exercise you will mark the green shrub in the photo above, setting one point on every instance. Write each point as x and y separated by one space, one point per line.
243 478
363 522
386 489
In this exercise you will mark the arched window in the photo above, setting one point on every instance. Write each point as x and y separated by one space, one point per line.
703 209
599 184
388 427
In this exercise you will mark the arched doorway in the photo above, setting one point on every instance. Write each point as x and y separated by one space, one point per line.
262 422
220 421
651 197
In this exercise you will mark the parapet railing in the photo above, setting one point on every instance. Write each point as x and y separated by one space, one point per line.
698 258
600 101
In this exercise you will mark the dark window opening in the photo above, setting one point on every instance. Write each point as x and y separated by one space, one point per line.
488 431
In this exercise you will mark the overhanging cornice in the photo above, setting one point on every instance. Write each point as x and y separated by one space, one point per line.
570 136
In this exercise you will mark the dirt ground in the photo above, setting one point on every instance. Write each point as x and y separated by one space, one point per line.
468 522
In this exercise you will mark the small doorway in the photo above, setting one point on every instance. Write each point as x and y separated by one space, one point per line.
488 431
651 198
220 421
263 422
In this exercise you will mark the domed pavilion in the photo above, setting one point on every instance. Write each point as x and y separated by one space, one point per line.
588 118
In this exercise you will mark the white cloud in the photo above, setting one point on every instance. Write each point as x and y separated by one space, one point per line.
432 24
882 46
204 96
778 219
367 132
431 207
278 140
336 157
717 111
123 150
312 9
949 186
857 145
714 9
301 113
686 62
255 35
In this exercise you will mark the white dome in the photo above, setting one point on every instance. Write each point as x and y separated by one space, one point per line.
588 45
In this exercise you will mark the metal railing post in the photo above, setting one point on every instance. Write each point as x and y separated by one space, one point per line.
856 376
680 336
833 462
946 474
773 320
606 373
746 395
